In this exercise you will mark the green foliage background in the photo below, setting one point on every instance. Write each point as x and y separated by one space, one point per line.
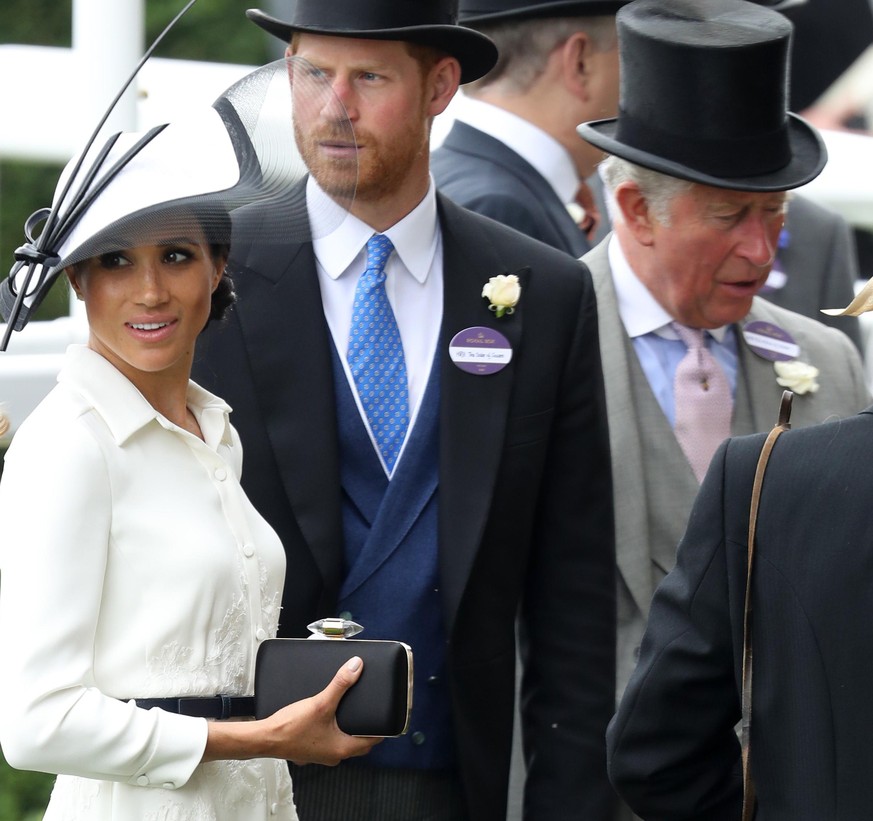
213 30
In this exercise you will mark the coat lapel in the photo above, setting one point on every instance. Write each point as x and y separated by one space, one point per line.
631 504
473 409
758 394
292 372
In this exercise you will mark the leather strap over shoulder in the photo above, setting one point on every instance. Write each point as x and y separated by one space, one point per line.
782 424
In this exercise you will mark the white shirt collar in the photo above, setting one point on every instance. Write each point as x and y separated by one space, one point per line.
125 410
414 237
530 142
640 312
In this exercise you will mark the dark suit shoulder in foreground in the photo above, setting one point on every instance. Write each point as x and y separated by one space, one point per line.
673 751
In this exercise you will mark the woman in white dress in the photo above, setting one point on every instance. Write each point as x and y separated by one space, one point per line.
133 565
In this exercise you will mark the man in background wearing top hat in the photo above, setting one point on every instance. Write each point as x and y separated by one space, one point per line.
485 500
702 154
513 153
673 749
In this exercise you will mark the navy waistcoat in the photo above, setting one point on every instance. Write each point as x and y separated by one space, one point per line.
392 577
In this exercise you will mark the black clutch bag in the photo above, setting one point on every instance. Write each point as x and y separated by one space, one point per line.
379 704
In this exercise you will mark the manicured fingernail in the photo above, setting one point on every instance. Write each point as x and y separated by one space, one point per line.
353 664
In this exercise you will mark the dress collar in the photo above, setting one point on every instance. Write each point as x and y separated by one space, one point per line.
125 410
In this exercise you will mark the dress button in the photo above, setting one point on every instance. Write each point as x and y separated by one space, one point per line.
260 634
169 785
220 474
249 550
346 614
143 781
432 679
418 738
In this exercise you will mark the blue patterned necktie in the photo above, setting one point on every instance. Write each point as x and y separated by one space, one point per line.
375 355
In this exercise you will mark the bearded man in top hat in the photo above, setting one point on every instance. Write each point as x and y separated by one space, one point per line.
513 153
702 154
479 499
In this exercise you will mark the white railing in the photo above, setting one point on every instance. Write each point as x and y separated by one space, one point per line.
58 80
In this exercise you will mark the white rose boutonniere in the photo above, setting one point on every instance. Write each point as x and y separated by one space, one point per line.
797 376
503 293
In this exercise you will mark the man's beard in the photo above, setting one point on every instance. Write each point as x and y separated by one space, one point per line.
378 171
337 177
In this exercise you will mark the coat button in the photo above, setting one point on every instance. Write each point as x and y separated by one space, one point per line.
220 474
418 738
143 781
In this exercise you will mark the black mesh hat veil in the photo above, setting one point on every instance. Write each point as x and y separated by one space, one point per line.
188 175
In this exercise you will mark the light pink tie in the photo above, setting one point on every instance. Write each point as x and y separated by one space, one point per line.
703 401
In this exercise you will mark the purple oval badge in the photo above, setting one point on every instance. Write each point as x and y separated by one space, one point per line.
480 350
770 341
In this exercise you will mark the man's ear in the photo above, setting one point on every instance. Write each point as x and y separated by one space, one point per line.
445 77
575 64
635 212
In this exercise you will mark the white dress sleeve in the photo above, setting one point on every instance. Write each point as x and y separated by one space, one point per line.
55 519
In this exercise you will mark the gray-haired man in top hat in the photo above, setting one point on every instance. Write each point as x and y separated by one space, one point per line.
480 498
513 153
709 117
702 153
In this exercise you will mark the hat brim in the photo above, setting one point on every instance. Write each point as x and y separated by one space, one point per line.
474 51
783 5
560 8
808 158
180 180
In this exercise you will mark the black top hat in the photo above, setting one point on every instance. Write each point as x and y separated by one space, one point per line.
498 11
704 96
429 22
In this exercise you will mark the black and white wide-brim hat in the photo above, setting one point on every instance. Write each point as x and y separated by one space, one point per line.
189 175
